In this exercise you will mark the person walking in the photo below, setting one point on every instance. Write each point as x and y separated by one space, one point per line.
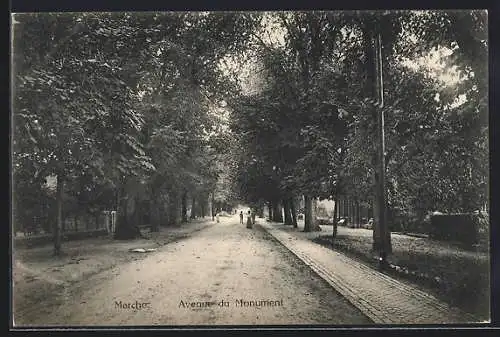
241 217
249 220
217 216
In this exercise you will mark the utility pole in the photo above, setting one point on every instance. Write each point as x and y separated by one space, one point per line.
385 237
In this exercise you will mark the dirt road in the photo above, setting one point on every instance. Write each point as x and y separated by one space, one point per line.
224 274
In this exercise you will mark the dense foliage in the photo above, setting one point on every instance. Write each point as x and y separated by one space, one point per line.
311 129
121 105
125 109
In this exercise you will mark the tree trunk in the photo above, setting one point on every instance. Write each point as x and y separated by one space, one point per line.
63 223
288 214
137 212
174 209
376 245
123 219
348 219
59 215
379 234
270 209
184 207
193 209
277 212
349 215
293 209
155 213
349 210
353 207
335 207
261 210
354 214
345 209
374 86
307 213
212 207
358 213
125 227
310 223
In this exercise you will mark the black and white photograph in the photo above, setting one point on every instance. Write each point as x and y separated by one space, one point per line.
250 168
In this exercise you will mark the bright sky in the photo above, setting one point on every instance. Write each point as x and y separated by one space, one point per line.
435 62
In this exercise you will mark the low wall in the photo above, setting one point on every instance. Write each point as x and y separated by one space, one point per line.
40 240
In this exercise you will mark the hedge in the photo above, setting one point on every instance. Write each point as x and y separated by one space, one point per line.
463 228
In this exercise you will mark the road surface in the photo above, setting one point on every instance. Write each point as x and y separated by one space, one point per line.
225 274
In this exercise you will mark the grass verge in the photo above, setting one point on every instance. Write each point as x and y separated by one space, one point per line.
456 276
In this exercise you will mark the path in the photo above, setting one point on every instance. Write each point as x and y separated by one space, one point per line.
225 262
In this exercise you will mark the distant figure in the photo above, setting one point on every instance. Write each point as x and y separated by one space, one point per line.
241 217
217 216
29 230
249 220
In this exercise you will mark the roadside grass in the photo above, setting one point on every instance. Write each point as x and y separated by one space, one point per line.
457 276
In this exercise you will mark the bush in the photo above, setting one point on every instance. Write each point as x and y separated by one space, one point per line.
396 227
417 227
463 228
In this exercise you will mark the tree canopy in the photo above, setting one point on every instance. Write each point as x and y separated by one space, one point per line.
264 107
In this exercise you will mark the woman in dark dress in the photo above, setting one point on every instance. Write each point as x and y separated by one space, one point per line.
249 220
